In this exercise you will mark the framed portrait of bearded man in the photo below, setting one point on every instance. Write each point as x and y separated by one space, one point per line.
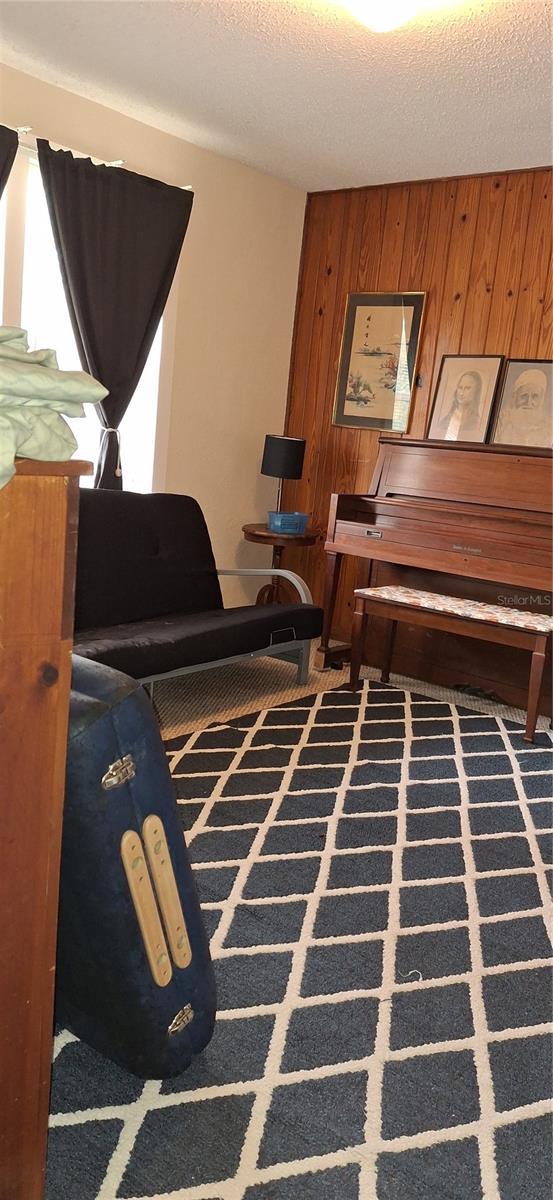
524 411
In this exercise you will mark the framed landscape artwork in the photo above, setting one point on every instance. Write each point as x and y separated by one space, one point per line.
524 411
464 397
378 360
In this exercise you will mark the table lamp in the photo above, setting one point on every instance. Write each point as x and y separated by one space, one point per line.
283 459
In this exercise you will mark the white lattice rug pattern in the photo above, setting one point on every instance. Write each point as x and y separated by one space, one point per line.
375 873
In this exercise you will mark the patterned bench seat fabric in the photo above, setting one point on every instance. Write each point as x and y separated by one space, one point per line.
474 610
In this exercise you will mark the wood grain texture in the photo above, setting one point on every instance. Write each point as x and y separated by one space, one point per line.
68 469
511 247
535 268
479 247
485 255
38 523
442 207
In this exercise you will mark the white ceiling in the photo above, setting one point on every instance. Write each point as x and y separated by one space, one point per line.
300 89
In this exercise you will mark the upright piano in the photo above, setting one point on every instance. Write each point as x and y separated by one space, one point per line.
454 517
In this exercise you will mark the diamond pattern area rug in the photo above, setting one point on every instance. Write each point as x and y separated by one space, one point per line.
375 875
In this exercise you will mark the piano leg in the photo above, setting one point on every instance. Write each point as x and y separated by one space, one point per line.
331 656
534 687
387 664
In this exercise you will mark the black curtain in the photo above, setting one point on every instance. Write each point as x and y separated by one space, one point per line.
8 151
118 237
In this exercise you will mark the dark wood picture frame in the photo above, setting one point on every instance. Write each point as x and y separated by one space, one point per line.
463 382
506 429
378 360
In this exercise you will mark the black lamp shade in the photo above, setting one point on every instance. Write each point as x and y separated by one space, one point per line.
283 457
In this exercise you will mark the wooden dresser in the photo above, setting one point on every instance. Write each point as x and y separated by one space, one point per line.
38 539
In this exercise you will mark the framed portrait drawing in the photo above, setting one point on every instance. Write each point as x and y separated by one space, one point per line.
378 359
524 408
464 397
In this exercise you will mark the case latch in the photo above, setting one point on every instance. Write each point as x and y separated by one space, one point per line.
118 773
182 1019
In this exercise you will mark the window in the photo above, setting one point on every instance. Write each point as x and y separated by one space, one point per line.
44 314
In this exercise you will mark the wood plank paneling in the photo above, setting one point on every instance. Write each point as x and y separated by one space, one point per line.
545 339
537 259
458 270
512 243
484 264
442 207
305 306
334 454
320 345
479 247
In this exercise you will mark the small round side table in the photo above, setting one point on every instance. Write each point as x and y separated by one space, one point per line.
271 593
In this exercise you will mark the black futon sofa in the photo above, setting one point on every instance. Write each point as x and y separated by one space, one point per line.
148 600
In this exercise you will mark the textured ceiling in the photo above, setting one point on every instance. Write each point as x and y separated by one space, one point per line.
300 89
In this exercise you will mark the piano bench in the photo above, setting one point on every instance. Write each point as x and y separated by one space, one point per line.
467 618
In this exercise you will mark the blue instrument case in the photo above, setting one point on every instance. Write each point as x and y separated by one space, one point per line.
134 977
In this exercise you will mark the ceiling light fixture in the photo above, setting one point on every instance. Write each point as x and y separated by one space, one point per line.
383 15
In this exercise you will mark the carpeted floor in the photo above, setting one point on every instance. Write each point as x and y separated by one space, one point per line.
375 876
191 702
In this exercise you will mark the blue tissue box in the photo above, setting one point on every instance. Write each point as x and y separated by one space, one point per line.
287 522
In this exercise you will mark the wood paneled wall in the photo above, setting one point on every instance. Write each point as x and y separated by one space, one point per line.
479 246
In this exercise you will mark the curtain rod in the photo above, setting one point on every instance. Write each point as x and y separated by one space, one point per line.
27 141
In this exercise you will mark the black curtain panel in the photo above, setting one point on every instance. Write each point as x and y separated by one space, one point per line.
8 151
118 237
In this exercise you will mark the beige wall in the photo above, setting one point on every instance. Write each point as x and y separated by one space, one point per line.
228 327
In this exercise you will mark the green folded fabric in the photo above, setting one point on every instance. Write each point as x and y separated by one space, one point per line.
34 394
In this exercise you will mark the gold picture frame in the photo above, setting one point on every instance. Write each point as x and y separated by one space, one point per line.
378 360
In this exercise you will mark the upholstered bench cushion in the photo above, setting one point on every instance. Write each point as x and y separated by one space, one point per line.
473 610
176 641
